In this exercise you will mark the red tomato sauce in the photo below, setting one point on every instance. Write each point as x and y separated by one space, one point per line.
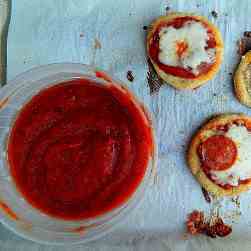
78 149
177 23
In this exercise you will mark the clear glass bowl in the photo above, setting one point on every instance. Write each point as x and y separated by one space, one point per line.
15 212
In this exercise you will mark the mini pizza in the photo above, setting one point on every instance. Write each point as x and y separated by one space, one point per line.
219 155
185 50
242 80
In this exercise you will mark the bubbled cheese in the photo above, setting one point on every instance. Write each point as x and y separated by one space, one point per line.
241 169
195 35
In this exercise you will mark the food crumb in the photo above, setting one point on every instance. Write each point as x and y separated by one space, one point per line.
97 44
81 34
206 195
214 14
236 201
145 28
215 95
197 5
247 34
154 82
197 224
167 8
230 74
130 76
244 43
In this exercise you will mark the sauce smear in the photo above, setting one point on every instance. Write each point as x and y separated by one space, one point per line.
78 149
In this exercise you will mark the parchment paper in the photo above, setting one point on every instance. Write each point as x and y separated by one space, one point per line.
110 35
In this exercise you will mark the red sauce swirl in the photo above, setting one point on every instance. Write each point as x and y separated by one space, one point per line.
78 149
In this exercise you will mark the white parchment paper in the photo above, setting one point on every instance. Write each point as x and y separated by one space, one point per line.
47 31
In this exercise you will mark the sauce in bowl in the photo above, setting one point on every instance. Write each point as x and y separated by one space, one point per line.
79 149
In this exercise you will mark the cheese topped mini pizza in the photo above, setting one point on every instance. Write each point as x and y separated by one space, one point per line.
220 155
185 50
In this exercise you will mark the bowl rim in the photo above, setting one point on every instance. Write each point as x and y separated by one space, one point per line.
53 69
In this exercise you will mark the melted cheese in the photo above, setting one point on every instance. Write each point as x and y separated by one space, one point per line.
241 169
195 35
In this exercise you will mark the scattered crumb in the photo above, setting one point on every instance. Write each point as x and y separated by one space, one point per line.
226 15
154 82
206 195
81 34
214 14
236 201
215 95
145 28
130 76
167 8
214 227
197 5
130 14
230 74
247 34
97 44
244 43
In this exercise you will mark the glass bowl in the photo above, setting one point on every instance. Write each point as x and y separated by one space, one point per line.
15 212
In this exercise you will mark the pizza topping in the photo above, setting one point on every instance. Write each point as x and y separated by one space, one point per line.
185 46
226 157
197 224
218 152
240 171
179 48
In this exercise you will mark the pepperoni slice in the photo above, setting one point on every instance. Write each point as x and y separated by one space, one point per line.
218 153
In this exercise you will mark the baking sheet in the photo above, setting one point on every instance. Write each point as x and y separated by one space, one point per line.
110 35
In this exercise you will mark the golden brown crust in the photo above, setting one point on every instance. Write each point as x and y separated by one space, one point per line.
183 83
194 161
241 82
